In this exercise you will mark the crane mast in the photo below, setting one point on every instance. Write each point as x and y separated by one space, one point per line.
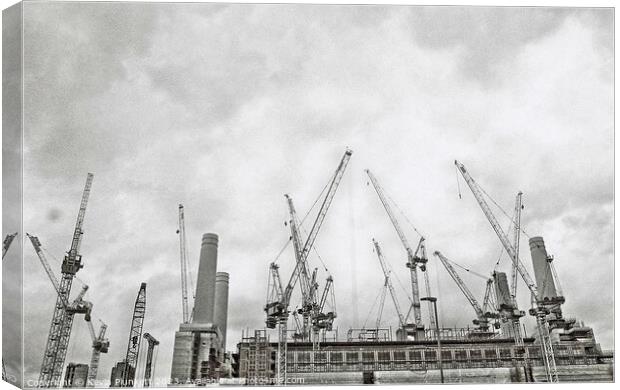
302 267
277 307
6 244
135 335
514 274
183 257
413 260
388 282
62 321
153 342
100 345
482 320
539 312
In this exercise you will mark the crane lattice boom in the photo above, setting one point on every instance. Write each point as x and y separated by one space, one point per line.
62 320
539 311
6 244
413 259
183 257
135 335
386 273
475 189
277 307
482 319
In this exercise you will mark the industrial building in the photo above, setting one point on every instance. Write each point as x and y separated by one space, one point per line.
496 351
467 355
464 360
76 375
199 344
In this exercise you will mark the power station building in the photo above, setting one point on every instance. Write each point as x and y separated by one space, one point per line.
467 355
199 346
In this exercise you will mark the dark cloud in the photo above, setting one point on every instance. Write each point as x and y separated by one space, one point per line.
488 39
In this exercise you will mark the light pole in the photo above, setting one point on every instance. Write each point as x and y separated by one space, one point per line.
439 360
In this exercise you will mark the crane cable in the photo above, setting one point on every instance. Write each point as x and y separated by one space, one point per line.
468 270
490 198
372 307
316 201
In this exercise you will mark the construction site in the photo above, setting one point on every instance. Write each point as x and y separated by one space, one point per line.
300 342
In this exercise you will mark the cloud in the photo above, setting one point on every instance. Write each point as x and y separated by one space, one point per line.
227 108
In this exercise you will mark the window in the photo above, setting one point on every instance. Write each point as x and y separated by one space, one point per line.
475 353
490 354
335 357
446 355
415 355
320 357
504 353
400 355
460 354
430 355
383 356
303 357
352 357
368 356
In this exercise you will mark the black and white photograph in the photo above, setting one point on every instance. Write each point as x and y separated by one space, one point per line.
297 194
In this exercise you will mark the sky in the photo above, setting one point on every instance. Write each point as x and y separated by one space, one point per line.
226 108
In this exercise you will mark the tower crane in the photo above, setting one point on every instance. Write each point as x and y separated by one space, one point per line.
277 307
62 321
79 306
312 308
514 274
539 311
488 302
482 317
7 243
100 345
388 282
381 303
305 284
183 257
135 336
414 259
153 342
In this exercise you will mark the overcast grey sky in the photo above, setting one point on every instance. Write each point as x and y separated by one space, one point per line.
225 108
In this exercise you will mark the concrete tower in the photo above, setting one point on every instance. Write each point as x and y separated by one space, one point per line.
542 269
220 314
204 305
199 346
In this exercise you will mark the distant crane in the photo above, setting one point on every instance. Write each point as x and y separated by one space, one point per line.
277 307
100 345
388 283
540 311
514 274
135 337
414 259
312 309
153 342
7 243
482 317
62 320
183 257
